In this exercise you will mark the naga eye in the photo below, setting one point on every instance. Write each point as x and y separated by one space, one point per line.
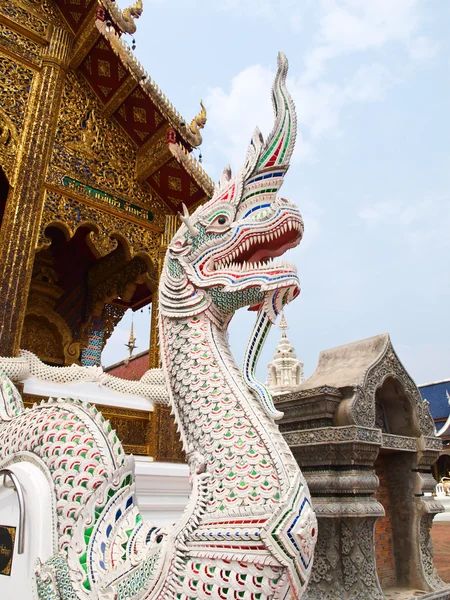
221 220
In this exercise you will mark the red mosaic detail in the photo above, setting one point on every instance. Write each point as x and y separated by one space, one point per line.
75 11
139 117
174 185
274 157
103 70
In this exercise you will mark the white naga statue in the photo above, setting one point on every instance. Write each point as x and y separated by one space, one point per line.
248 531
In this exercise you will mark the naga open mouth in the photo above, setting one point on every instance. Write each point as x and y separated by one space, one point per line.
254 249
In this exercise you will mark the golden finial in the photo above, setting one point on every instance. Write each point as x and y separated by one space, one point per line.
131 342
199 121
283 325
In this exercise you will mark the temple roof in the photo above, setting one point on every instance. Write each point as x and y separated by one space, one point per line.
127 93
132 368
347 365
437 394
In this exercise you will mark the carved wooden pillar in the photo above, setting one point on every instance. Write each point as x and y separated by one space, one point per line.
154 354
21 221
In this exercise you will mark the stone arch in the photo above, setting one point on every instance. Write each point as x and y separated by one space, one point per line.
394 409
46 334
89 280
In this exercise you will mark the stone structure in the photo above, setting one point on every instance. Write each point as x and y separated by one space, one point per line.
285 372
365 441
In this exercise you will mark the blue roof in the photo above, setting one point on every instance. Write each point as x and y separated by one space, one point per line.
436 395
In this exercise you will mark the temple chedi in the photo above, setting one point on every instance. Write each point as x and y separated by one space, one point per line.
285 372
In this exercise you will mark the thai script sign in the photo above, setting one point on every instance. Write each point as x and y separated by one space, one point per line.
114 201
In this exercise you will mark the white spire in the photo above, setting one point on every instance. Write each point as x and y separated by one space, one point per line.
285 371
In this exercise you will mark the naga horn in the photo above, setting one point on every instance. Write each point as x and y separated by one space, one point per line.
186 219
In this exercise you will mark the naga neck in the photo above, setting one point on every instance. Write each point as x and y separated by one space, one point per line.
219 418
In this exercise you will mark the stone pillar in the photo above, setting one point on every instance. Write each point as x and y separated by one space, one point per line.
337 465
426 507
23 212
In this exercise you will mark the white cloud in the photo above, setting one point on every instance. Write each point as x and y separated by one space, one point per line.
278 12
419 222
233 115
348 26
370 83
344 27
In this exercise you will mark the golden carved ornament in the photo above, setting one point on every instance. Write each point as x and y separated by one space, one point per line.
169 447
20 46
88 141
31 102
106 229
26 20
117 99
15 85
86 38
111 316
152 155
93 149
46 9
193 168
197 123
9 143
106 285
46 334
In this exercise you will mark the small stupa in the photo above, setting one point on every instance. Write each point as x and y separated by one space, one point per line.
285 371
131 343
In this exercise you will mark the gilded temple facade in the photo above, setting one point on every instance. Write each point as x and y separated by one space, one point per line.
95 164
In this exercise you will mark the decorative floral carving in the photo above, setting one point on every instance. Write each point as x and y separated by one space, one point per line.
9 143
43 8
426 553
388 365
169 447
399 442
15 89
70 214
93 150
19 44
344 564
333 434
25 17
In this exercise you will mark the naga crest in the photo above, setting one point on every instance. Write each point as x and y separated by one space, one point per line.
222 257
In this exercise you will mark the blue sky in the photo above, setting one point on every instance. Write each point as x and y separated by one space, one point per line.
371 171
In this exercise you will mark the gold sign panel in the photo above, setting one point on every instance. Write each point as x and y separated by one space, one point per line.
7 537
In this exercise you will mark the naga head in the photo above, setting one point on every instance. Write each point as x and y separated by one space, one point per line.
224 256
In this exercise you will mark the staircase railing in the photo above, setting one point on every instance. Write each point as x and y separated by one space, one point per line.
7 473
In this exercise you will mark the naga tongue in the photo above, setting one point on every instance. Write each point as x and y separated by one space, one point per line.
254 347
